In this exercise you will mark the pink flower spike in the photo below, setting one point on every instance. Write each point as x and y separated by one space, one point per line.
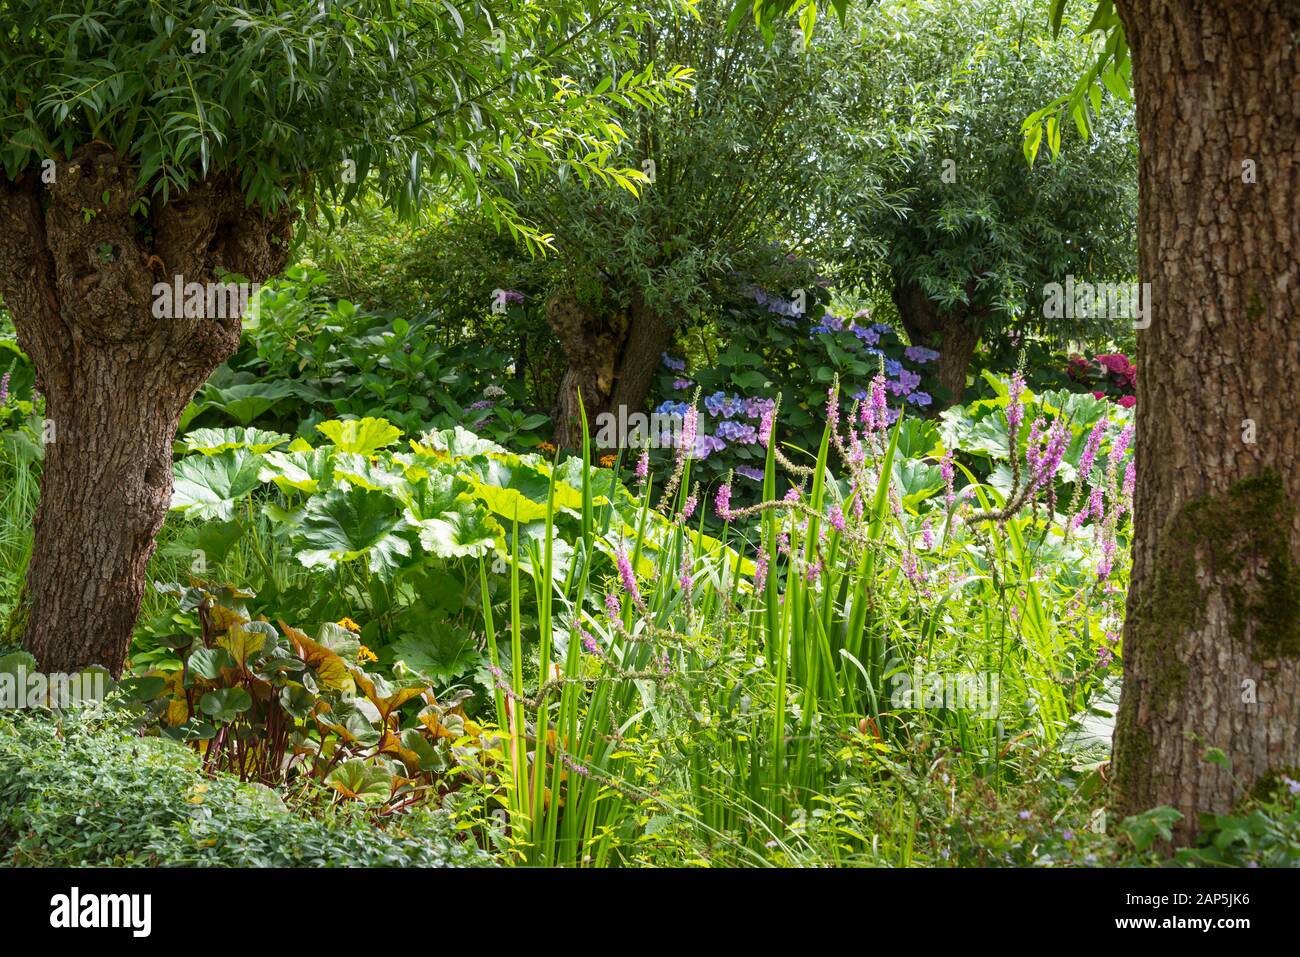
1015 411
629 580
722 502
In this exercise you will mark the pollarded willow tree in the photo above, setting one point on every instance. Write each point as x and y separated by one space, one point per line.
972 233
146 141
746 168
1212 636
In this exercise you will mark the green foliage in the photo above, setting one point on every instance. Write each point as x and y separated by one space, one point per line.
772 353
276 706
306 358
970 223
358 527
317 102
582 672
757 161
79 790
786 710
1111 71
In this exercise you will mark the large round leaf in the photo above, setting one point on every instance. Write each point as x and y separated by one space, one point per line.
210 486
350 524
356 779
225 704
304 471
513 489
360 471
456 443
363 436
463 531
244 402
440 652
212 441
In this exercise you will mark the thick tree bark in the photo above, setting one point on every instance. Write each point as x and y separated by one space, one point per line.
648 337
77 271
953 333
612 361
1212 637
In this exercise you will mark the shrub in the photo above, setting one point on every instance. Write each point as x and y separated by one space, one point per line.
780 347
306 357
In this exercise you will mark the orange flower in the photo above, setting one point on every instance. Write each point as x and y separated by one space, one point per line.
365 654
349 624
608 460
546 447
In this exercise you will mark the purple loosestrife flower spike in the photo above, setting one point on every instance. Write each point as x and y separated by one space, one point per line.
1095 503
690 425
1107 557
629 580
857 454
1121 444
765 424
1033 452
590 644
949 473
643 466
836 518
722 502
1090 449
833 407
1015 411
879 412
911 571
4 390
1054 450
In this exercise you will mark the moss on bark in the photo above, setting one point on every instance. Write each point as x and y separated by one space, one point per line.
1237 542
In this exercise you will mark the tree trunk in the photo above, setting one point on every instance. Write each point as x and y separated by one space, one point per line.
953 333
1212 636
78 271
612 361
105 491
648 337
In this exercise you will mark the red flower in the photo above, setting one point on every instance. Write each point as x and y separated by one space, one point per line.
1118 365
1077 368
1128 401
1099 395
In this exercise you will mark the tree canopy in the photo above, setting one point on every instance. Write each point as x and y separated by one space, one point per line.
312 102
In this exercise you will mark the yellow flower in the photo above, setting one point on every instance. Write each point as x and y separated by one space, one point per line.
546 447
349 624
365 654
608 460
